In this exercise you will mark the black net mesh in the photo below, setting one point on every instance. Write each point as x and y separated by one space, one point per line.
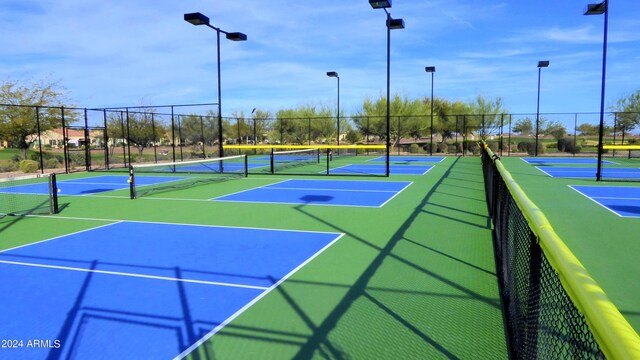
542 320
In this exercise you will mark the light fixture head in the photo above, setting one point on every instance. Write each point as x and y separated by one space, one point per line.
395 24
430 69
196 19
596 9
544 63
332 74
236 36
380 4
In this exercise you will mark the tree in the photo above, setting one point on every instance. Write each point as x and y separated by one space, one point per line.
555 129
588 129
627 113
488 114
523 126
40 100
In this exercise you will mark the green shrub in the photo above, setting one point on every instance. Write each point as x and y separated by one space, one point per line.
28 166
51 163
442 148
9 166
523 146
531 148
414 148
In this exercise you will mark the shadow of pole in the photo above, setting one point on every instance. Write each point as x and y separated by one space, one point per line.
321 332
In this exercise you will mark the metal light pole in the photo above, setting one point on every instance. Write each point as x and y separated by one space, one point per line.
541 64
598 9
432 70
391 24
199 19
335 75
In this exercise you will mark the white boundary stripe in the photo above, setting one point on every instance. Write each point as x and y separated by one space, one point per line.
113 222
300 203
592 199
377 166
133 275
178 224
325 189
410 157
252 302
241 191
398 193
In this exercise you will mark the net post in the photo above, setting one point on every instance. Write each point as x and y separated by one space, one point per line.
319 151
246 165
271 161
328 159
132 183
53 189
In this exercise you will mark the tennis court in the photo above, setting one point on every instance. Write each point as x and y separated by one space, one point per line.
375 169
322 192
194 289
623 201
590 172
174 273
409 159
564 161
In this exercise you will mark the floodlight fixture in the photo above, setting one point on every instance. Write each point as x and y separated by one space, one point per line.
543 64
236 36
430 69
380 4
332 74
596 9
394 24
196 19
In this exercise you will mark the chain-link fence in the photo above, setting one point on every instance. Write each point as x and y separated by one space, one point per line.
78 139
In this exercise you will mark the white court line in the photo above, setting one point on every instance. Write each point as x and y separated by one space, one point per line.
325 189
398 193
134 275
113 222
252 302
594 200
178 224
298 203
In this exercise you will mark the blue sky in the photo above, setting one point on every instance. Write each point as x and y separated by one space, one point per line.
123 52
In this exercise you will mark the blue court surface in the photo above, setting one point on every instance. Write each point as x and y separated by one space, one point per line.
429 159
590 172
621 200
564 161
105 293
322 192
381 169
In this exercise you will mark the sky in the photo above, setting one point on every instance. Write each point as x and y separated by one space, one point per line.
142 52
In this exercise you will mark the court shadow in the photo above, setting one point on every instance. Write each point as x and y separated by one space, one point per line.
364 296
314 199
625 210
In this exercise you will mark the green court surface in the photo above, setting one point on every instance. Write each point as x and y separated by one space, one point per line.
414 278
605 243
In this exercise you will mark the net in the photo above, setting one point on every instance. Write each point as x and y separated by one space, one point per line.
146 179
32 194
622 163
315 159
282 160
553 308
